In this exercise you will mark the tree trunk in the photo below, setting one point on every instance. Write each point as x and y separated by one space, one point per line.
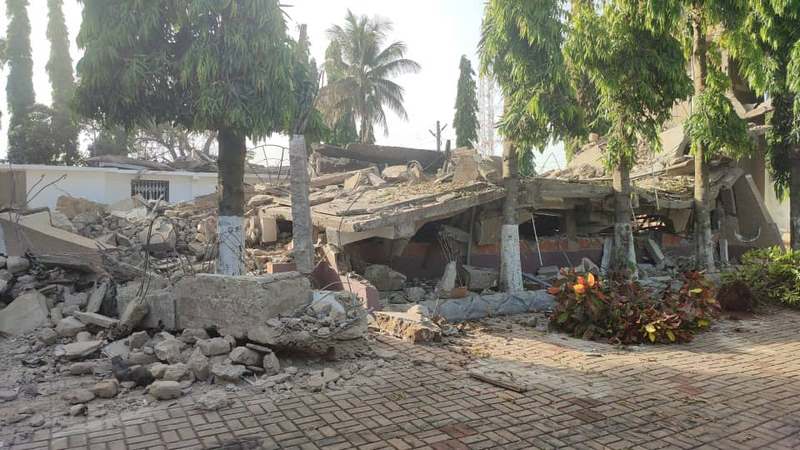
704 246
232 153
510 264
623 256
303 247
794 205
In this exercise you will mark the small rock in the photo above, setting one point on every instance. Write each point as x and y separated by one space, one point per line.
83 336
7 395
414 294
177 372
245 356
214 347
384 354
169 350
315 383
330 375
69 327
384 278
214 400
165 390
36 421
271 364
258 348
96 319
158 369
192 335
75 300
106 388
231 340
80 350
47 336
228 373
81 368
17 264
199 364
141 359
76 396
78 410
138 340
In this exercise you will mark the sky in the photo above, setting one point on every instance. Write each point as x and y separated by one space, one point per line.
436 32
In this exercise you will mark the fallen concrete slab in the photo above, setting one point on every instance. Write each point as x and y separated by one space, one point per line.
26 313
234 304
477 307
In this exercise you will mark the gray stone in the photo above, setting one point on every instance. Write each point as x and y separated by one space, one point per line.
200 365
192 335
84 336
235 304
264 334
228 373
17 264
96 319
245 357
117 348
159 300
26 313
80 350
106 388
214 400
3 261
138 340
160 237
8 395
141 359
548 271
97 296
69 327
271 364
81 368
415 294
315 383
78 410
169 350
133 314
330 375
165 390
480 279
47 336
157 370
177 372
77 299
36 421
76 396
214 347
56 315
448 280
326 306
384 278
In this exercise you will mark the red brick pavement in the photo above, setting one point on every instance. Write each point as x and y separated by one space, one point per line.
733 388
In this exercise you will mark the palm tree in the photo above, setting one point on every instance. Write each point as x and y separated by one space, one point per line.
359 70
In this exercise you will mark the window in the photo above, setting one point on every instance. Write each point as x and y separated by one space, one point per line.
150 189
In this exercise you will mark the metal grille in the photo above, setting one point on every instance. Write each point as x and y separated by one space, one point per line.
150 189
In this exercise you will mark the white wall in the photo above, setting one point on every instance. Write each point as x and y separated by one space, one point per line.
109 185
778 208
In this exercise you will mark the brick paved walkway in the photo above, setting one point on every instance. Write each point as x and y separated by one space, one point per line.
735 387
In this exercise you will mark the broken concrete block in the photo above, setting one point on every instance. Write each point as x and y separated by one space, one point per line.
654 250
326 306
3 261
409 327
138 340
448 280
192 335
169 350
81 350
160 304
47 336
199 365
81 368
177 372
384 278
97 296
134 313
96 319
76 299
141 359
214 400
245 357
160 238
228 373
480 279
271 364
213 347
165 390
235 304
269 228
415 294
83 336
17 264
117 348
26 313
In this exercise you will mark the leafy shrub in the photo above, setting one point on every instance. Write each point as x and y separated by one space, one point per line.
623 312
772 274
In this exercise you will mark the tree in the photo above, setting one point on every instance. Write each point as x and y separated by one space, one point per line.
113 141
637 74
466 119
521 45
59 68
362 69
19 85
203 64
766 45
35 139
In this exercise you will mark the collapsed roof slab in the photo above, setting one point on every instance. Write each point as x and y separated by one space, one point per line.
378 154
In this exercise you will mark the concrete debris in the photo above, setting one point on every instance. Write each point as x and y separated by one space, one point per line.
81 368
214 400
245 357
95 319
165 390
199 364
384 278
227 373
170 350
106 389
82 350
213 347
271 364
409 327
480 279
76 396
17 264
138 340
26 313
447 283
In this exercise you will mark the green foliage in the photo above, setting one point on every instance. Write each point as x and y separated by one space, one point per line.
59 69
111 141
638 74
203 64
772 274
715 124
19 85
521 45
360 71
36 139
623 312
466 119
